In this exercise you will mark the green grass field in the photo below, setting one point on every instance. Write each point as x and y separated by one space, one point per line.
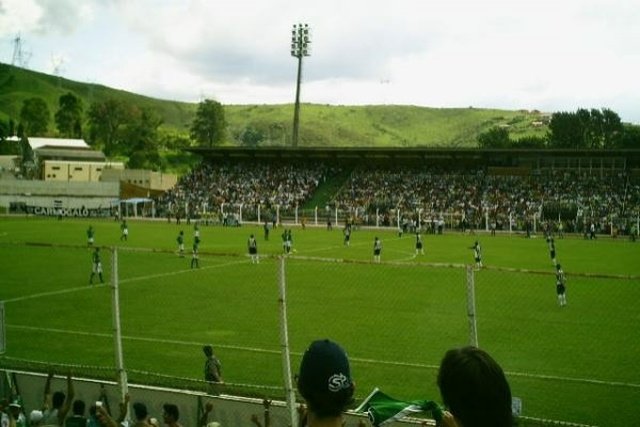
396 319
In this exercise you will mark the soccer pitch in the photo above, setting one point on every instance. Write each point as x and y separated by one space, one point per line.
396 319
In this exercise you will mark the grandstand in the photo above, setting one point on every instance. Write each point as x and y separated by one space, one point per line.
465 188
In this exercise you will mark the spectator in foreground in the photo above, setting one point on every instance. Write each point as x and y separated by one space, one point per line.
57 406
325 384
474 390
171 415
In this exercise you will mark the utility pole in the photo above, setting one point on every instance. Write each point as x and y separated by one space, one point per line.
300 47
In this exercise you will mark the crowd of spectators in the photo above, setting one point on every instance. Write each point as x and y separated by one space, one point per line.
209 187
465 198
468 198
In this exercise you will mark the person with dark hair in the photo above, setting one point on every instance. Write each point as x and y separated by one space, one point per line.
57 406
171 415
212 369
325 383
141 414
77 418
474 390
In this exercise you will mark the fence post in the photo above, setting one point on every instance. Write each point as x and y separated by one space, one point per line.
284 346
117 331
471 306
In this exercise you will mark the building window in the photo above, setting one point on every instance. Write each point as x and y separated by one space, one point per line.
77 169
55 168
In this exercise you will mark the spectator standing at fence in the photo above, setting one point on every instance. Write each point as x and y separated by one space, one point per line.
96 266
57 405
140 414
212 368
77 418
561 288
171 415
15 415
124 230
474 390
204 418
35 418
252 246
267 415
325 383
90 236
180 241
377 249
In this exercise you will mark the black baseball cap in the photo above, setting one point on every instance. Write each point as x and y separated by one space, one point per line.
324 369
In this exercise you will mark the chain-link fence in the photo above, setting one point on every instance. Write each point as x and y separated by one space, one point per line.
157 309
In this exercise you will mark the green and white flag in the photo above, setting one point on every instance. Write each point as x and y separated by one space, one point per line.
384 409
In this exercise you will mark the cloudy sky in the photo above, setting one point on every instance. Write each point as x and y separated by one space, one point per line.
550 55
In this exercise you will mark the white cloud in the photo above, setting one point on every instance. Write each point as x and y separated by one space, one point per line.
548 54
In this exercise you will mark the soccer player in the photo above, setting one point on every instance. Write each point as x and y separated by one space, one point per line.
252 245
194 255
90 236
552 250
561 288
477 254
96 266
124 230
419 244
347 235
266 230
377 248
180 240
196 232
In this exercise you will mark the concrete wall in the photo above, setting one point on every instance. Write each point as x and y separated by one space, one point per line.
73 195
68 171
142 178
229 411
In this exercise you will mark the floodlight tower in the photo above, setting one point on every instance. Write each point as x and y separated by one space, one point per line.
300 47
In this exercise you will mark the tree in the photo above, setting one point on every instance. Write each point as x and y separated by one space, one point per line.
251 137
612 128
105 120
565 131
208 127
69 116
630 137
138 139
34 116
496 137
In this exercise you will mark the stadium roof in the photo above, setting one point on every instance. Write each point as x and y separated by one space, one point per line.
37 143
70 154
420 154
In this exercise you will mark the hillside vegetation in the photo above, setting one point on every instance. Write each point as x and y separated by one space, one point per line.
321 125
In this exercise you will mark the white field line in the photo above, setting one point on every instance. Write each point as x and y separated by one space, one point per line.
355 359
129 280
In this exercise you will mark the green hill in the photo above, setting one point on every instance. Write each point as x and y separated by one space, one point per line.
320 125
